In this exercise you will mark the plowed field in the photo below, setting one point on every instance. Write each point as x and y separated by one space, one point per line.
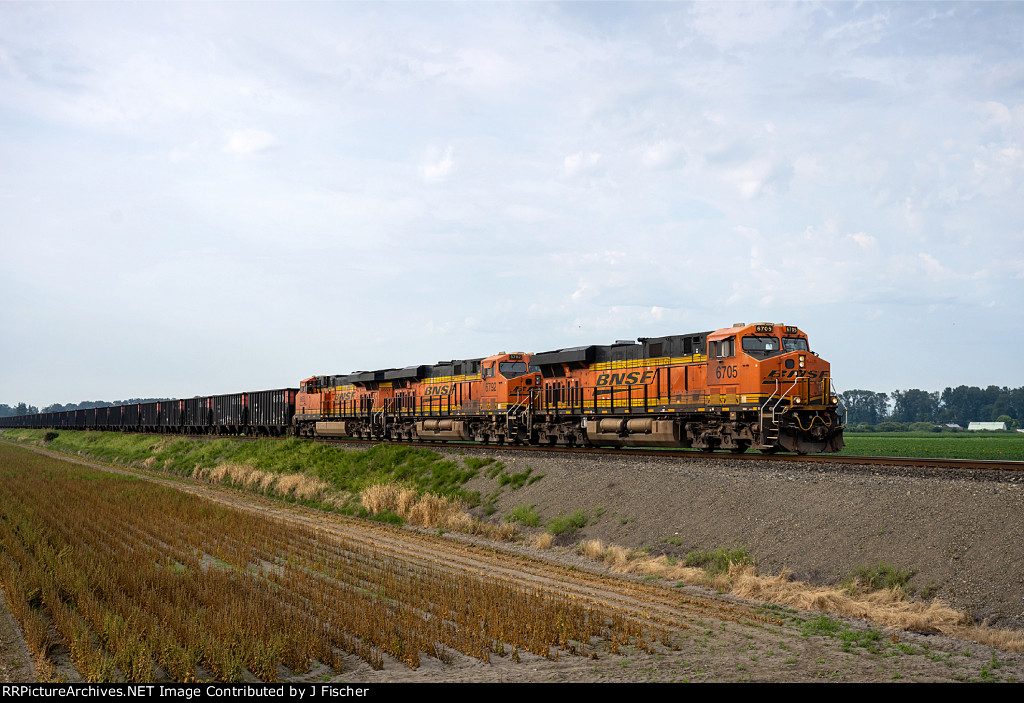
652 631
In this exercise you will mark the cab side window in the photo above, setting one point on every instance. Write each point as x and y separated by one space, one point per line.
724 348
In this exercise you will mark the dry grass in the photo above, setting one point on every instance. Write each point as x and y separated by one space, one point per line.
1007 640
431 510
543 541
888 607
241 475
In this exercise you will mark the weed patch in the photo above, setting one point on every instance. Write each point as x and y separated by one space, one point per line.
568 523
525 515
878 577
717 561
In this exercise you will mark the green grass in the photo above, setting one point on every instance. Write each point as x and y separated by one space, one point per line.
568 523
826 626
881 576
936 445
525 515
716 561
344 469
516 480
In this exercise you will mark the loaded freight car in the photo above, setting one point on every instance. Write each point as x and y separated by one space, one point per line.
149 417
198 413
270 412
130 417
172 416
228 413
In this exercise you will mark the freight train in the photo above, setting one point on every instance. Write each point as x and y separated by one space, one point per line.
746 386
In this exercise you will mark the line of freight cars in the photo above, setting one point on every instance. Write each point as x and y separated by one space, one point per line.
253 413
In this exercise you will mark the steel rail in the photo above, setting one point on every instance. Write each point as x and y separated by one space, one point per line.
921 462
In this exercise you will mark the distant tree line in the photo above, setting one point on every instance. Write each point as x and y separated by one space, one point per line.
953 406
23 409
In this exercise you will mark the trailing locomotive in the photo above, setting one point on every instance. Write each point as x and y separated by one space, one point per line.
735 388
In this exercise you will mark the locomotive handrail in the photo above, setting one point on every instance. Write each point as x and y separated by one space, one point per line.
760 417
784 393
839 400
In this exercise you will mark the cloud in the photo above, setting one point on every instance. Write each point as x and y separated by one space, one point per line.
580 162
438 165
750 178
864 241
622 170
659 154
247 142
728 25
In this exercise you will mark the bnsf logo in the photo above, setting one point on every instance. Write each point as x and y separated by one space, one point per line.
624 379
438 390
793 373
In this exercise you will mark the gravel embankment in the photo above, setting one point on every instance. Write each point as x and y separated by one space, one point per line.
961 531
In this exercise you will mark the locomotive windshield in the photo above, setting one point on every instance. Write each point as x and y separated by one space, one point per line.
761 347
511 369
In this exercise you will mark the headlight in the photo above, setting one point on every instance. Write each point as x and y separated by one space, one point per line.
796 399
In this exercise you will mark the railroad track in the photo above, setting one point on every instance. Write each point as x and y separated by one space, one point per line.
687 454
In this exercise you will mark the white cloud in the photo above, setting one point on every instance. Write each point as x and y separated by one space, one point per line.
864 241
246 142
661 153
580 162
932 268
438 165
750 178
733 24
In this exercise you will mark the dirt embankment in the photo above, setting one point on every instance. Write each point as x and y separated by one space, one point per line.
961 532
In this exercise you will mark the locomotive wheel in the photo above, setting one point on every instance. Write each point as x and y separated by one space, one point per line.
740 447
770 450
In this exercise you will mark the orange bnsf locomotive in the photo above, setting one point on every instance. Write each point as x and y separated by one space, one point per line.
746 386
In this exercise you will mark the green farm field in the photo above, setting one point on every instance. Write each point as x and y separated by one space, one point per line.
992 446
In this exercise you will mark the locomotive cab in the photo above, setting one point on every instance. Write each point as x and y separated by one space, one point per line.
508 379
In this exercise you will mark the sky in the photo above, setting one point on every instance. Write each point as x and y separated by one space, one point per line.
202 198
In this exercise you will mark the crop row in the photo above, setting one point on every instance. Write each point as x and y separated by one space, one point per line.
141 582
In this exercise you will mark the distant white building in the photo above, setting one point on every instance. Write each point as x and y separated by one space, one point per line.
975 426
